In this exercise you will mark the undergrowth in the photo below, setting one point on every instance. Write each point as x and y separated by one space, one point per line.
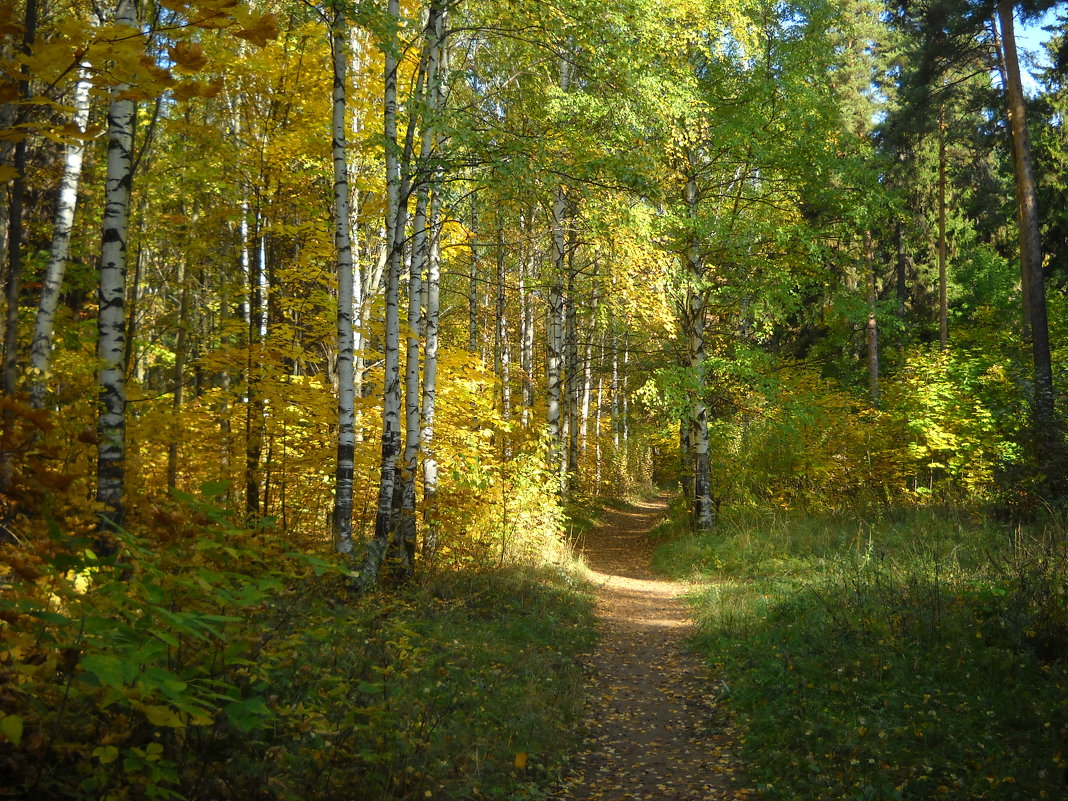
922 654
212 664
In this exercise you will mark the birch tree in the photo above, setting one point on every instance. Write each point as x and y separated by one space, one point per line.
111 332
67 199
346 405
405 536
391 396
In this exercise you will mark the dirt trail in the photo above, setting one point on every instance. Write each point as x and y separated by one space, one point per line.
656 731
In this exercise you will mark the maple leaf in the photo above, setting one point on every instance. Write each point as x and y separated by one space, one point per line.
188 57
262 30
159 75
187 90
8 25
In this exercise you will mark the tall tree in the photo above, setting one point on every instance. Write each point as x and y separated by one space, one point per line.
395 223
73 156
111 330
1048 435
346 405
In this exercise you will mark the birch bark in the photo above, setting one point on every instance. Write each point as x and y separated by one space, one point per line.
391 395
432 304
73 157
406 533
702 493
555 341
111 332
503 351
346 404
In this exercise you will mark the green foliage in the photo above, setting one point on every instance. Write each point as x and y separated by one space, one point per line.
914 655
214 665
961 409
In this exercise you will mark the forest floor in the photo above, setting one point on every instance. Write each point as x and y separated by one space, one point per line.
656 729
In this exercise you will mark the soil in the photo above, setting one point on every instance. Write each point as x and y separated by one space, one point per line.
656 728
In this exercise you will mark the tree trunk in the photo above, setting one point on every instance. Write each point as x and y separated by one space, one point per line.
111 332
15 232
872 331
503 352
346 403
391 394
180 354
73 156
902 286
702 486
472 281
702 489
587 376
526 330
571 373
943 302
1048 437
254 401
405 532
432 293
554 341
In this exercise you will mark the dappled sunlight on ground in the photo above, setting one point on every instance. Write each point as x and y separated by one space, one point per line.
655 727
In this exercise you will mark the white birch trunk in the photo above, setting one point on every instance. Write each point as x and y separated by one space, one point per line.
572 374
180 356
406 533
432 293
587 376
526 334
346 404
472 281
391 394
504 354
111 332
555 339
73 157
702 500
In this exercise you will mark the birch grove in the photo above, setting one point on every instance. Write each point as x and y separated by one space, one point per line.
544 253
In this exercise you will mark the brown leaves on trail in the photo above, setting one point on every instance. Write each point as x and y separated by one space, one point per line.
655 728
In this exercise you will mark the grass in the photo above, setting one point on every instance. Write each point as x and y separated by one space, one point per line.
922 654
207 668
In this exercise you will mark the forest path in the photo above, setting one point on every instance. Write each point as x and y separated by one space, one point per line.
655 728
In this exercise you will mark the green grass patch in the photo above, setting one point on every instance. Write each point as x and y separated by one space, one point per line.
214 665
923 654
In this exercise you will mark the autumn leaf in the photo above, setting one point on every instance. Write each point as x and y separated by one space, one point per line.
262 30
136 95
186 90
160 715
8 25
11 728
188 57
158 73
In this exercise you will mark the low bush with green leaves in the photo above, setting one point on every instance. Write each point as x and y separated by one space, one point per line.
922 654
215 664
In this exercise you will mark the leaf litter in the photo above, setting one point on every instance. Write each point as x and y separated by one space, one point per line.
656 728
